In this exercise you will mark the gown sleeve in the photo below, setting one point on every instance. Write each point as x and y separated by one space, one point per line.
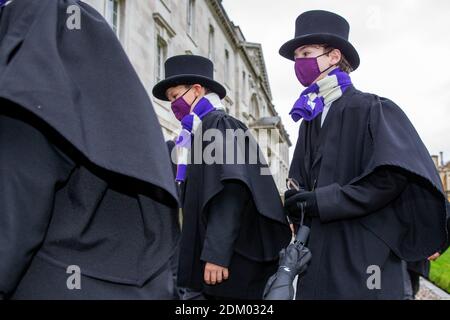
224 218
31 169
362 197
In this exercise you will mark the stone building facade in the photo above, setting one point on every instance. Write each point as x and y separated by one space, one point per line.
153 30
444 172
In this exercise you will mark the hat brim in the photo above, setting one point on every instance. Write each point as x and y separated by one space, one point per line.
287 50
160 89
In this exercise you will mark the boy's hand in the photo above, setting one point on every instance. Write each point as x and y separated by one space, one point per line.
434 256
215 274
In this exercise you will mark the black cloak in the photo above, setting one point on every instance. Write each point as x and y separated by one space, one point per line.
362 133
75 93
263 230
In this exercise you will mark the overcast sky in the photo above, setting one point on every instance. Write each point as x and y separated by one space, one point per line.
404 46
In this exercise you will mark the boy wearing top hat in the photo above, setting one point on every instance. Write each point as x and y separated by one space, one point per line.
369 189
233 219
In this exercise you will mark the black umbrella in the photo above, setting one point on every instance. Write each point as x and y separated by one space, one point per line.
293 261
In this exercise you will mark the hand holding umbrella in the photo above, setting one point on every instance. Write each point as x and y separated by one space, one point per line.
293 261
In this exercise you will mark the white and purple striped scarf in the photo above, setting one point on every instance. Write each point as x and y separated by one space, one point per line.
320 94
5 2
190 124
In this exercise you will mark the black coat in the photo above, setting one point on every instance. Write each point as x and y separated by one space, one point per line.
364 136
262 227
84 177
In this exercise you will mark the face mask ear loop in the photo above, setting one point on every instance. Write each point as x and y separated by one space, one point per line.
323 54
327 69
193 101
329 66
186 92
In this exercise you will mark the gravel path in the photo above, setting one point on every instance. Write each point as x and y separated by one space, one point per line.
429 291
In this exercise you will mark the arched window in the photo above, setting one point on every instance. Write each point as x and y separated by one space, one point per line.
254 107
211 44
227 67
114 15
190 17
161 56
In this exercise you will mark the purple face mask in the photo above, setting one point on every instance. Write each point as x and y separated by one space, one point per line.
180 107
307 69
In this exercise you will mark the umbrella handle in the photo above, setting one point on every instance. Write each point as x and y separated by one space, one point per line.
303 231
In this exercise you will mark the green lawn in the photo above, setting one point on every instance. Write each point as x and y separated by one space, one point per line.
440 271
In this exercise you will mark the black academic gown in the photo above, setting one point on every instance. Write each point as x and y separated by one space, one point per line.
255 227
379 197
83 177
177 226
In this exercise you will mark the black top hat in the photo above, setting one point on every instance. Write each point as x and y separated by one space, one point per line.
188 70
321 27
